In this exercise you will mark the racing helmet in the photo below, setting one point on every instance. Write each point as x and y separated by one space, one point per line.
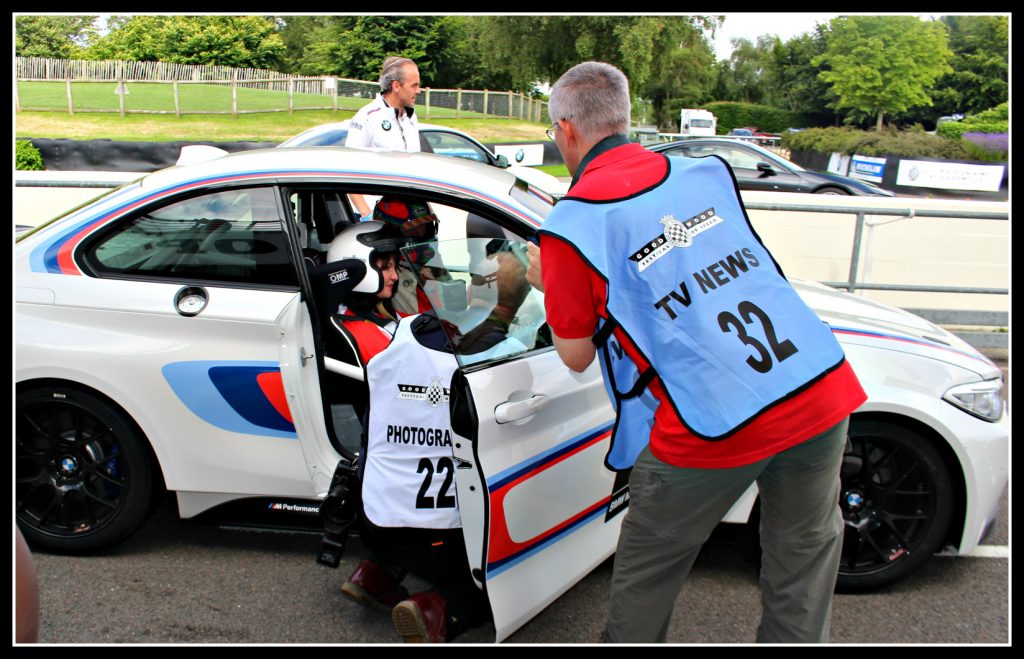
413 218
366 242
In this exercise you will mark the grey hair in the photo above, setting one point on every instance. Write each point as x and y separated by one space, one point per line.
596 96
393 70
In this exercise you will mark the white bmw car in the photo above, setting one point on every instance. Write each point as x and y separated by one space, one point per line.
167 336
442 140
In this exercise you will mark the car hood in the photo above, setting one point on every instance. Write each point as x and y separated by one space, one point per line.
856 320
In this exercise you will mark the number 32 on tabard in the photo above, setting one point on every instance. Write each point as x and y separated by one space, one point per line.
749 312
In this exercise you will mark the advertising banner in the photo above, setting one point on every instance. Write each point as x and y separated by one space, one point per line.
867 168
839 163
950 175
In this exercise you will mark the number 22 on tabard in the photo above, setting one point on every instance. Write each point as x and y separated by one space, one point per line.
443 500
749 312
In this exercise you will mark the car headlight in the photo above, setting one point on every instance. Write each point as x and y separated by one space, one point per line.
982 399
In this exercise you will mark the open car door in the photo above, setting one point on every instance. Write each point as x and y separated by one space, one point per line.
539 508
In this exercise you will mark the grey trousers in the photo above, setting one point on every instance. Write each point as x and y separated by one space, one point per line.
673 510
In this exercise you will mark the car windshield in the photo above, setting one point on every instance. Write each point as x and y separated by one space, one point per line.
775 158
335 137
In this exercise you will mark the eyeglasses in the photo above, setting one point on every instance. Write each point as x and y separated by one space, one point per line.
551 131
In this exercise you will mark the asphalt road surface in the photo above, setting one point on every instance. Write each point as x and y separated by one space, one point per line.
182 582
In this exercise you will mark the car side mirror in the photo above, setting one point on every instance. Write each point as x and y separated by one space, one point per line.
765 169
502 162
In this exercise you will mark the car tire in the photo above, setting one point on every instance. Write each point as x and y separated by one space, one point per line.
896 496
85 479
831 190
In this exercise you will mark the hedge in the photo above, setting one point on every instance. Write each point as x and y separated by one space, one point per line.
731 115
912 143
27 156
996 120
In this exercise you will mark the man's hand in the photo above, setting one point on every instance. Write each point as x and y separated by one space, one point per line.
533 274
361 206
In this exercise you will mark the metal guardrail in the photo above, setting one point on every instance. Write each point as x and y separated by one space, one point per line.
968 325
959 322
674 137
68 184
851 284
938 316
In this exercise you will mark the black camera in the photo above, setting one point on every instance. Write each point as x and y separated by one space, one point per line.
339 512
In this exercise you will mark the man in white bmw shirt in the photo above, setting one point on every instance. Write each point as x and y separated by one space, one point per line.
389 122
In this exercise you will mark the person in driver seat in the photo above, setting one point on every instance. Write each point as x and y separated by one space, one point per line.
416 221
366 317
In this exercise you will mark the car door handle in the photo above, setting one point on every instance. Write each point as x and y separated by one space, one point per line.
519 407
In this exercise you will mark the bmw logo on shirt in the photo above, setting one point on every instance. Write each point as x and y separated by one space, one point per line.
386 125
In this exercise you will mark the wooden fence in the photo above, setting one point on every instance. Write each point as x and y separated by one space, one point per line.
45 68
292 92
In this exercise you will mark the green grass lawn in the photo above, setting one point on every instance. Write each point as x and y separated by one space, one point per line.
555 170
263 114
157 97
192 98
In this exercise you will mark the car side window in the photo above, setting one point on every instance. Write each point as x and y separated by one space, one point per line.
474 276
690 152
231 236
737 158
448 144
478 287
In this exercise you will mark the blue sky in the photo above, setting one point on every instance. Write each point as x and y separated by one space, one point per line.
751 25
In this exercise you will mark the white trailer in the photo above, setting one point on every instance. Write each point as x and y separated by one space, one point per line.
694 122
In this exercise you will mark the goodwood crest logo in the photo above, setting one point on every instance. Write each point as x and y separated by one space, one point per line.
677 233
434 394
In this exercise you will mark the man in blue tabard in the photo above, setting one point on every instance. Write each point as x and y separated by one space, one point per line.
721 376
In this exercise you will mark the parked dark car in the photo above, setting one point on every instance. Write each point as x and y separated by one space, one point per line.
757 168
754 135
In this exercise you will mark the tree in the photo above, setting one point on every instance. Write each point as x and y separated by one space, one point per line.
52 36
356 46
883 64
650 50
748 76
980 65
797 86
297 33
236 41
682 78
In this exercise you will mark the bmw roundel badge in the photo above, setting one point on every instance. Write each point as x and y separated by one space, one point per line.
386 125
